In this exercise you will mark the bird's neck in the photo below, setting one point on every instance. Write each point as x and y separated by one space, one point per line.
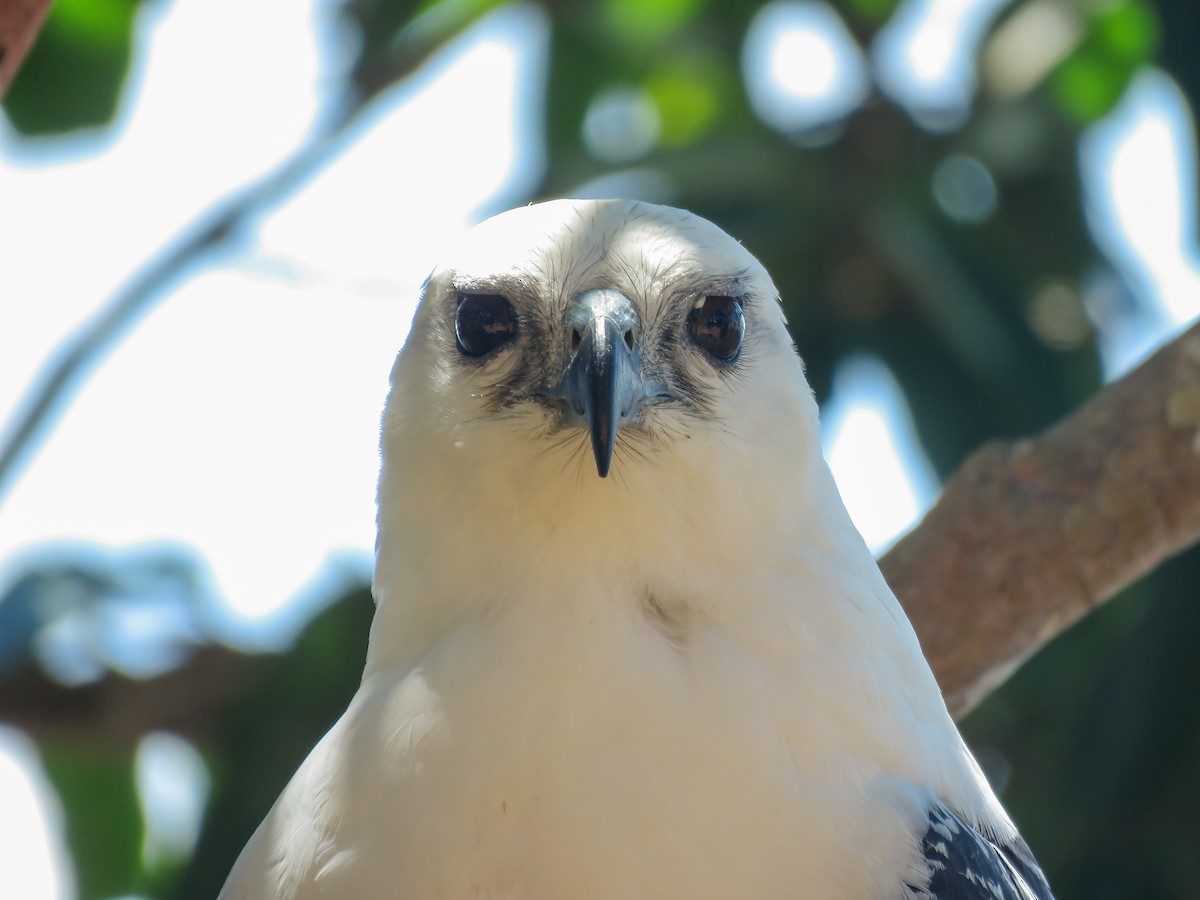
458 543
769 568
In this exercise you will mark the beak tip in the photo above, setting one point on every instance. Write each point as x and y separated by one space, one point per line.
602 449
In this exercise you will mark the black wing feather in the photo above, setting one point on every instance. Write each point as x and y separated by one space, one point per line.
966 865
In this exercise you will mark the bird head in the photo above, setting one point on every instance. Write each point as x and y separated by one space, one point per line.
582 380
597 337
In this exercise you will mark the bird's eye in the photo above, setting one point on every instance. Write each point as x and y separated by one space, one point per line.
717 325
483 323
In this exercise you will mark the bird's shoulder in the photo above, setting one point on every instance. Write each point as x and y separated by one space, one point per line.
965 864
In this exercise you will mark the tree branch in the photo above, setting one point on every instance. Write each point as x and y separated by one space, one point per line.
117 711
20 22
1030 535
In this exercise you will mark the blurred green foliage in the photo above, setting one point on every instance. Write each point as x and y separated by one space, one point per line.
104 822
982 322
1122 37
72 78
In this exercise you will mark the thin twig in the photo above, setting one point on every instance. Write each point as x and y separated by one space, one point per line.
217 227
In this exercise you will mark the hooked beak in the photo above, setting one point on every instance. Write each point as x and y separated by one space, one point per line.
603 384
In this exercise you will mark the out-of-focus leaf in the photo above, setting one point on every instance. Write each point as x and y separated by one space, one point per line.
646 22
691 93
1128 31
104 822
872 11
1120 40
1088 85
73 76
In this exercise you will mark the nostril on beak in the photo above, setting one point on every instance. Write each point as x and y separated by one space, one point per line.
576 338
629 338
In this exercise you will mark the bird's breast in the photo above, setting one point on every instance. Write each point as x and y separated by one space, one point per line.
571 752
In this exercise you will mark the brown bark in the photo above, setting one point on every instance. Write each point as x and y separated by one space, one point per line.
117 711
20 21
1029 535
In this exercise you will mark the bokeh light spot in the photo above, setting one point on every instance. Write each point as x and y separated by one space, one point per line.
964 189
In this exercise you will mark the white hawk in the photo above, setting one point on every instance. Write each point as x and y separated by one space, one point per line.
627 643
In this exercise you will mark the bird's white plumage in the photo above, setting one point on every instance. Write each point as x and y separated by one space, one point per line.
688 679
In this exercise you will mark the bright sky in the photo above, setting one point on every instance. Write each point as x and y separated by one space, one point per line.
260 377
240 417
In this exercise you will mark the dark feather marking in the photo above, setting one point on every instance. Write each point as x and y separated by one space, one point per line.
966 865
666 622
